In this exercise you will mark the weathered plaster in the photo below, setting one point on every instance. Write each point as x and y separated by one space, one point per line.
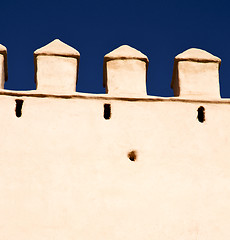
125 70
56 68
199 80
126 77
196 75
56 74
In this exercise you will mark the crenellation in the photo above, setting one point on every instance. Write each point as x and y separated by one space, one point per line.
56 68
195 72
196 75
125 71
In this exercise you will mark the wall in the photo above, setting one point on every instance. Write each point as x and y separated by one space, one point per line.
65 171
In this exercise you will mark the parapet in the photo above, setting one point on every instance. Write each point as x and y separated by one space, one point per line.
125 70
3 66
56 68
196 75
195 72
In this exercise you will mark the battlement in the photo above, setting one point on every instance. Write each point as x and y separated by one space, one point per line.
120 165
195 72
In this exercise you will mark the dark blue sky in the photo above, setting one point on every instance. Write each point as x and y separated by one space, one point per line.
159 29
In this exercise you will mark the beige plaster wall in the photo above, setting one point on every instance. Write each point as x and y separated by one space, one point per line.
126 77
65 174
199 79
56 74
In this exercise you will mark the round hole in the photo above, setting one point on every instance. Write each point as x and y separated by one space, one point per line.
132 155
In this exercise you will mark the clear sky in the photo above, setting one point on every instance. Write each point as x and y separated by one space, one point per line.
159 29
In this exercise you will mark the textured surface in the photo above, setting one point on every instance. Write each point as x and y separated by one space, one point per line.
56 74
56 68
196 75
125 70
126 78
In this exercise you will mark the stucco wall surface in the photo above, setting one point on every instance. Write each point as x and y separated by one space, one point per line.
47 65
65 171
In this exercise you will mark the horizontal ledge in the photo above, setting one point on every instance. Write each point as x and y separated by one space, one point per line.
176 60
107 59
57 55
148 98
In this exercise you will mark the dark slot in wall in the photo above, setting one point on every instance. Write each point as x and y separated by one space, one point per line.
107 111
18 108
201 114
